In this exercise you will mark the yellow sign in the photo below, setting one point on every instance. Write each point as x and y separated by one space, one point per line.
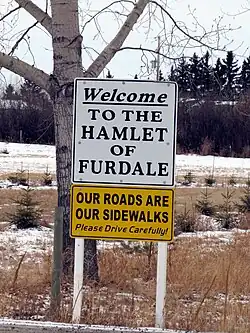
122 213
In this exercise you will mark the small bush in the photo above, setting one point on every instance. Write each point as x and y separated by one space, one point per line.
188 179
20 178
232 181
184 222
204 205
244 205
248 182
27 214
47 178
225 215
210 181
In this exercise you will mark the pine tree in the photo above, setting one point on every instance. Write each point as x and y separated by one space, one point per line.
244 205
37 119
30 92
27 214
204 205
206 75
195 75
161 77
231 73
183 76
10 93
109 76
224 215
173 76
219 77
244 78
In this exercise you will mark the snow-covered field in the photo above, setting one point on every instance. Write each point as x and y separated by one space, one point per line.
36 158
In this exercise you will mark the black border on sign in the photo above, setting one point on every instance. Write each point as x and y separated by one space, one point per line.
74 126
73 186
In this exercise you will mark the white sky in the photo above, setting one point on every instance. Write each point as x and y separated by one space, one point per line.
127 63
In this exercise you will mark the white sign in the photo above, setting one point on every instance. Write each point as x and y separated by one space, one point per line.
124 132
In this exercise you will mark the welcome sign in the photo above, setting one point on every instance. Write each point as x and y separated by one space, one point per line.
124 132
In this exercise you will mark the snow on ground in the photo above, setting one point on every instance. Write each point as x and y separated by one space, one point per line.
36 158
29 240
56 327
20 242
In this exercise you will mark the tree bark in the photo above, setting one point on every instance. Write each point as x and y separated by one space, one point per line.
67 41
110 50
25 70
43 18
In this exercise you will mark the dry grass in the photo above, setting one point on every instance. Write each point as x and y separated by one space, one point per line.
208 288
185 198
208 280
33 177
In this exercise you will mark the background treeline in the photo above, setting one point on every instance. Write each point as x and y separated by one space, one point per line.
213 115
26 115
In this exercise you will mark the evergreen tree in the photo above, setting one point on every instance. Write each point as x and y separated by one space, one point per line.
173 76
206 75
37 118
109 76
27 214
231 73
204 205
10 93
195 74
244 205
244 79
219 77
161 77
183 76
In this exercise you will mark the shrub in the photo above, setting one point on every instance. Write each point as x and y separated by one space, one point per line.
47 178
225 215
27 214
232 181
244 205
210 181
184 222
188 178
204 205
20 178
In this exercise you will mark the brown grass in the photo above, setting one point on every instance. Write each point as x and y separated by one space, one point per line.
208 280
33 177
208 288
185 197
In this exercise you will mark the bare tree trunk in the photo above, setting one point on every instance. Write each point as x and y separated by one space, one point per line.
67 41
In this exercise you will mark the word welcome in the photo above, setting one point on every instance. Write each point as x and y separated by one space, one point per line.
114 95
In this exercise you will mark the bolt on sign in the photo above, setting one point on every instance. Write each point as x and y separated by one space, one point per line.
124 132
99 212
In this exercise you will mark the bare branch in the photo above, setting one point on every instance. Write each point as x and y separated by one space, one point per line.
25 70
43 18
9 13
103 11
198 40
21 38
143 49
110 50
